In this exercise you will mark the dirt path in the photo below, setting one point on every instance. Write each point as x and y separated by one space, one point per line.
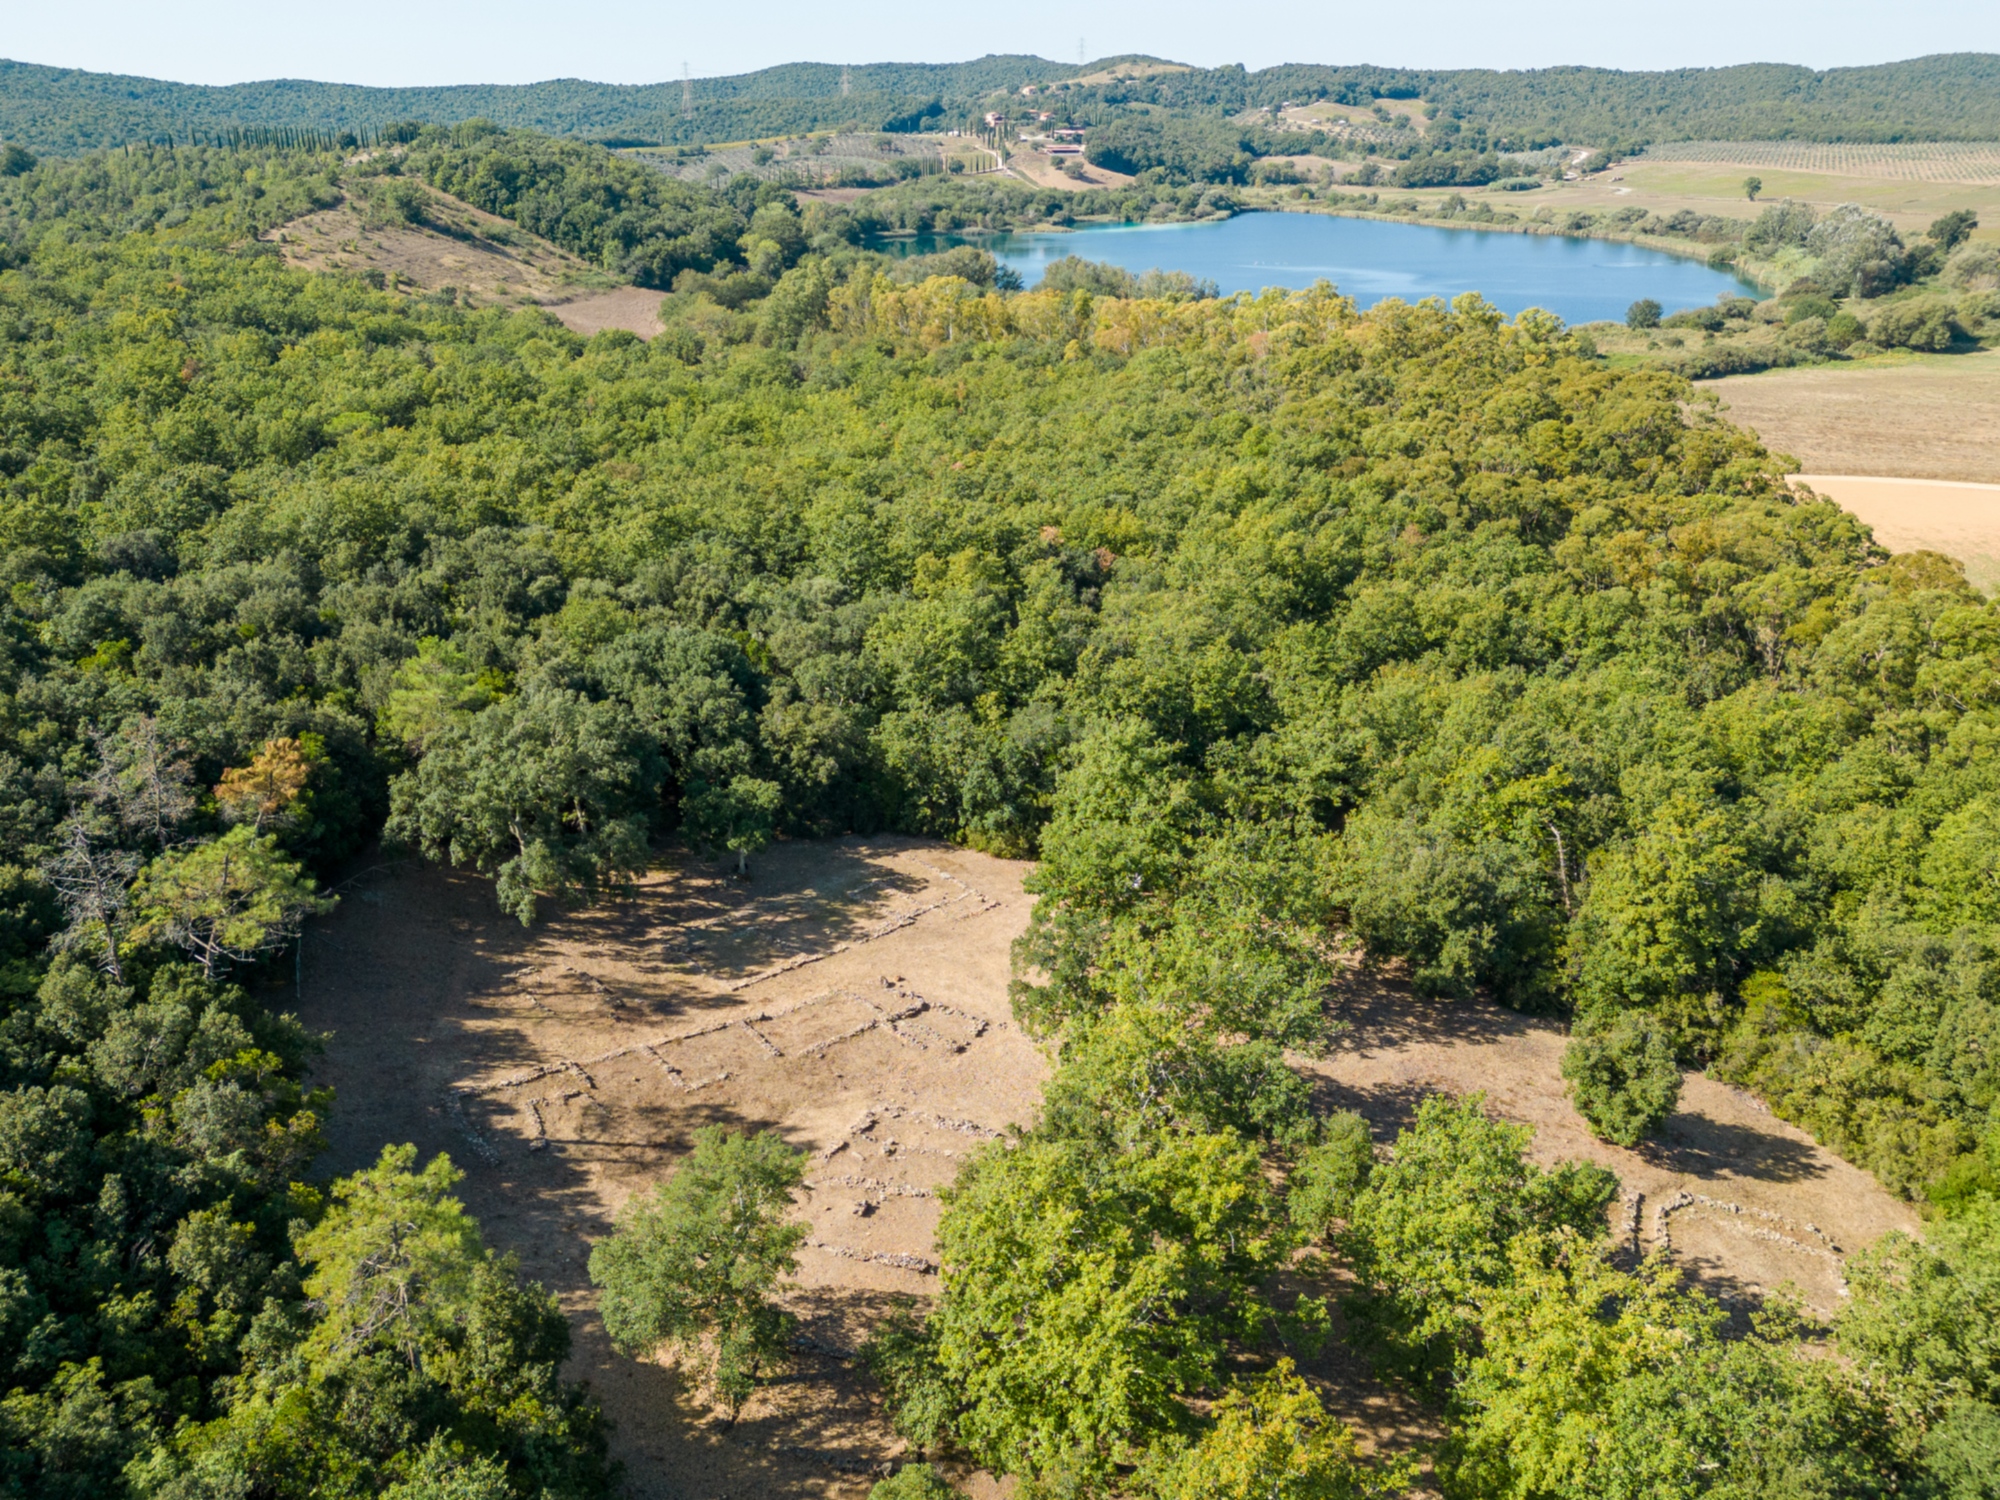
853 997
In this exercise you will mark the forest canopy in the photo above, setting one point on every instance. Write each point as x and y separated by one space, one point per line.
1265 625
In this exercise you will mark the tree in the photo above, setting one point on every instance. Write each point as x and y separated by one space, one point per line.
1859 253
421 1366
1666 916
1270 1439
1923 1324
691 1267
548 790
1645 313
1752 186
1089 1289
902 1356
93 881
225 902
265 791
1592 1384
740 816
1329 1174
437 687
1433 1227
1951 230
143 780
1623 1077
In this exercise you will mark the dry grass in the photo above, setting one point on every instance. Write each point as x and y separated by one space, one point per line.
1924 515
481 256
1905 416
1665 186
1043 171
485 257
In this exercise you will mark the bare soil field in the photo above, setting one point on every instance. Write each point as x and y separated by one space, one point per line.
852 995
1916 417
1745 1202
1864 435
1924 515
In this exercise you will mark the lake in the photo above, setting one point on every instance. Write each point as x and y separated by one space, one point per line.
1579 280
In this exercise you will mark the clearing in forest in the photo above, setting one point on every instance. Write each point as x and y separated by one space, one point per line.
483 257
852 995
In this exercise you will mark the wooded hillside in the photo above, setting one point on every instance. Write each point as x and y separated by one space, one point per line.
1953 96
1263 624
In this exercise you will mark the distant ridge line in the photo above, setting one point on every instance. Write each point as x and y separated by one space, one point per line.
1942 97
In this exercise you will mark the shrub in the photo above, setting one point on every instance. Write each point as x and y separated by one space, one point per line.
1809 334
902 1356
915 1482
1329 1174
1645 313
1623 1078
1709 319
1975 268
1912 325
1812 305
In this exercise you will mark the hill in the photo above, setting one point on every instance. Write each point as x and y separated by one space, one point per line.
1954 96
66 110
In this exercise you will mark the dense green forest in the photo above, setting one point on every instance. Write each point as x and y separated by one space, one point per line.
1953 96
1263 624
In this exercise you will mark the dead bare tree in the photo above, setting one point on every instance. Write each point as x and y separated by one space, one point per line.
143 779
93 879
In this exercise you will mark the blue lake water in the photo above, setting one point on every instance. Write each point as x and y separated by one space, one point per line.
1579 280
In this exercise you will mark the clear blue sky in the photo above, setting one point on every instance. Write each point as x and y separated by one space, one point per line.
628 41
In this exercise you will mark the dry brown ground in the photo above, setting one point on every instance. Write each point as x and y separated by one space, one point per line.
1910 445
1924 515
1934 417
487 258
1042 171
481 254
1750 1203
636 309
853 996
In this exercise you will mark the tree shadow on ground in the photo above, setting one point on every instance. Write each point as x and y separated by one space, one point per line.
1378 1013
1703 1147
